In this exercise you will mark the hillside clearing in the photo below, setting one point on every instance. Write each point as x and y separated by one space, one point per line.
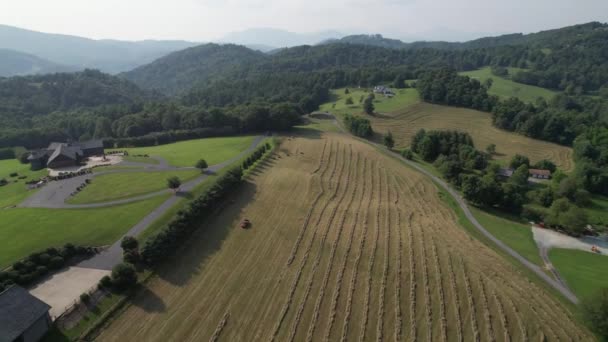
188 152
505 88
584 272
406 122
402 99
365 251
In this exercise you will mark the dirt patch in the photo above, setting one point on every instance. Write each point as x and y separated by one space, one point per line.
546 238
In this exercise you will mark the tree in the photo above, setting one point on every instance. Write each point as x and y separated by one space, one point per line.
519 160
174 183
488 83
349 101
407 154
520 176
368 106
124 276
129 243
399 82
545 164
491 149
202 164
103 128
595 313
389 142
568 216
346 91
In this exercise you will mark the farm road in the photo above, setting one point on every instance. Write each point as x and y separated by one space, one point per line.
556 284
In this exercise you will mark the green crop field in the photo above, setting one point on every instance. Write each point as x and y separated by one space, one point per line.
16 190
187 153
516 235
115 186
403 98
584 272
26 230
506 88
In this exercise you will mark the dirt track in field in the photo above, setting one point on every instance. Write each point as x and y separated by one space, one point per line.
346 245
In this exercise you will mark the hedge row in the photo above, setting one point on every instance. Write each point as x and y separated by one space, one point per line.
188 220
162 138
255 156
37 265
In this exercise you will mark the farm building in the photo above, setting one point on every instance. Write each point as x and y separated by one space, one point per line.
540 174
504 172
384 91
23 317
65 154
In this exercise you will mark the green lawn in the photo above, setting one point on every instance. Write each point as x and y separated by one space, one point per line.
25 230
403 98
516 235
140 159
115 186
506 88
187 153
584 272
16 191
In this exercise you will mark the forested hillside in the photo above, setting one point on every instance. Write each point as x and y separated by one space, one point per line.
180 71
15 63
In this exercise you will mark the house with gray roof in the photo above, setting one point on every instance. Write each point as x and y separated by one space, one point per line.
23 317
59 155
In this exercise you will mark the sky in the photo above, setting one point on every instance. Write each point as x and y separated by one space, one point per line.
208 20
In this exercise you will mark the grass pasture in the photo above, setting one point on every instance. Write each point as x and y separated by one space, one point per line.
366 250
403 98
406 122
16 191
584 272
25 230
505 88
114 186
187 153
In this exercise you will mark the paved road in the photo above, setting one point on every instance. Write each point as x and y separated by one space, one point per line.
113 255
564 290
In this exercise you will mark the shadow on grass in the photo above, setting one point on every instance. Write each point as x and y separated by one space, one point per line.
149 301
189 260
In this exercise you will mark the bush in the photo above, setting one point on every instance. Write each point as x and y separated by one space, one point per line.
56 262
131 256
13 174
407 154
41 270
105 282
85 298
129 243
124 276
202 164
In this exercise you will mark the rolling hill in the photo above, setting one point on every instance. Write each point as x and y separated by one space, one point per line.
110 56
15 63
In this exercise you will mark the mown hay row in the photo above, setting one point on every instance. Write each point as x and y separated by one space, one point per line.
220 327
486 311
439 277
313 205
372 260
317 309
520 324
321 158
353 280
456 299
471 300
300 270
412 271
398 316
426 287
503 317
387 239
338 285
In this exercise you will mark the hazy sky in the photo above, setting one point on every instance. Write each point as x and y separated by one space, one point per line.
204 20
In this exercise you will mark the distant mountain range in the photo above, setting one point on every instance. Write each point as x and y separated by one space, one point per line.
76 53
275 38
15 63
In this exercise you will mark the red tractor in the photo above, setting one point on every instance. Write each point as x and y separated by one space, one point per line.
245 223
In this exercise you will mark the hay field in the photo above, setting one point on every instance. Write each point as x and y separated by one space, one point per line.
346 244
406 122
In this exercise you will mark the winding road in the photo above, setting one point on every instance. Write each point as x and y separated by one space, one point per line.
556 284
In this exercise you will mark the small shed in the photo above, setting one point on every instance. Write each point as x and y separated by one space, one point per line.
540 174
23 317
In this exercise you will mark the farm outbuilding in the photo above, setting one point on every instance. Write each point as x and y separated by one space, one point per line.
23 317
540 174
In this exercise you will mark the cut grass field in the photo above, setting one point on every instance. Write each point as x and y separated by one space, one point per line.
187 153
140 159
116 186
16 190
598 210
26 230
365 251
584 272
516 235
505 88
406 122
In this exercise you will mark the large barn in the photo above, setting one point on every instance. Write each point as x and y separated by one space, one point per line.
23 317
59 155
